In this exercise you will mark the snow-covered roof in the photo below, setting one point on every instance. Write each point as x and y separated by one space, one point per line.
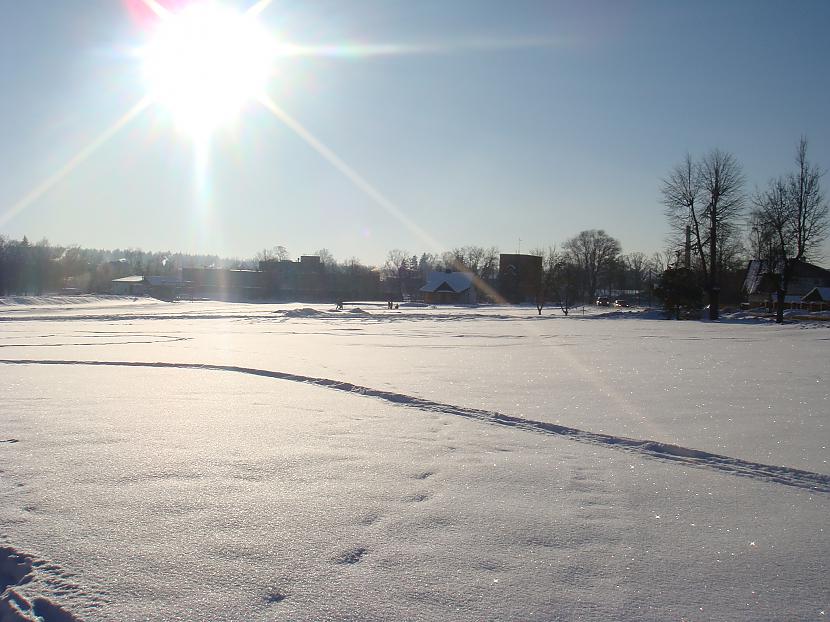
136 278
455 282
818 294
755 272
758 274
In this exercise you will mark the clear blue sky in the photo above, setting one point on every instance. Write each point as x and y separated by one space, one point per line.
529 120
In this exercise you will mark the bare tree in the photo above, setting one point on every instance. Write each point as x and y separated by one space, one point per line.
545 289
721 181
791 220
395 260
637 266
326 258
682 199
483 262
276 253
563 281
593 251
706 196
810 218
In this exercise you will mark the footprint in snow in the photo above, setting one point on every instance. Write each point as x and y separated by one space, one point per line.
275 596
350 556
370 519
418 497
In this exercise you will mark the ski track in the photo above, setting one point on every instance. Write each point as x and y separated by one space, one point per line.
816 482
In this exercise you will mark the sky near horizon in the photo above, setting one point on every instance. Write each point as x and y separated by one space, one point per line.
466 122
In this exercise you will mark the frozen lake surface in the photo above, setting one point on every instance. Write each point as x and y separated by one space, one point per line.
207 460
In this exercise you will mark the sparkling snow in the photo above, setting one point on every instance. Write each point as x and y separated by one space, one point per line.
255 462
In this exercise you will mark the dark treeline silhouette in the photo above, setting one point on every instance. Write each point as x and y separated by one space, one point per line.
481 261
590 264
35 269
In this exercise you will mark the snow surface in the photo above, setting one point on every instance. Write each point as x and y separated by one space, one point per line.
205 460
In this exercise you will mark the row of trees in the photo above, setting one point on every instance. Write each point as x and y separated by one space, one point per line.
710 214
586 264
33 269
481 261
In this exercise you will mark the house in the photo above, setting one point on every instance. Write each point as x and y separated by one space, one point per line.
134 285
817 294
761 281
223 284
519 277
165 286
450 288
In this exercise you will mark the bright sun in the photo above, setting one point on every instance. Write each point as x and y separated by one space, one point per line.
204 62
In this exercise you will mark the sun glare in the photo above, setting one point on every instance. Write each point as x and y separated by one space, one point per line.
205 62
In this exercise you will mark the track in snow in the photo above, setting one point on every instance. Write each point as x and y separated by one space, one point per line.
16 571
788 476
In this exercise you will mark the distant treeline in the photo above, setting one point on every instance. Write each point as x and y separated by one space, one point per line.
584 267
588 265
35 269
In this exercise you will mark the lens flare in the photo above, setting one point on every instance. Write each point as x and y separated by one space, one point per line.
205 62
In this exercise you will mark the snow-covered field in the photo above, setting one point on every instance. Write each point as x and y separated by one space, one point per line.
219 461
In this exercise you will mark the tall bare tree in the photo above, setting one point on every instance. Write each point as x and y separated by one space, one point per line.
593 251
810 217
791 220
682 198
708 197
722 182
